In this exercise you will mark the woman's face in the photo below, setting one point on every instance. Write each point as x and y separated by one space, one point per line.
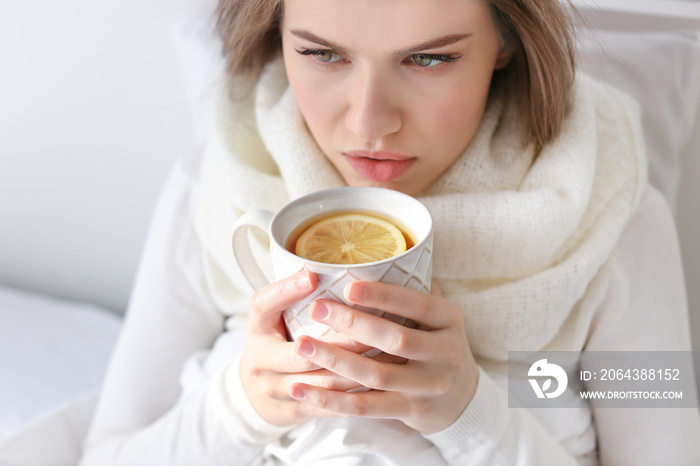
391 90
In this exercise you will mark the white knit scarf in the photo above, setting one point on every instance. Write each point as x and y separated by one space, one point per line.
517 238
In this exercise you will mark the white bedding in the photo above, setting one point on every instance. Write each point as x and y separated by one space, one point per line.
661 70
51 352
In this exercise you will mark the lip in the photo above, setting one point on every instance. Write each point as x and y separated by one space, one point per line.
378 165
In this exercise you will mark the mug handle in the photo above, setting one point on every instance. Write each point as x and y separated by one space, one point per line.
241 246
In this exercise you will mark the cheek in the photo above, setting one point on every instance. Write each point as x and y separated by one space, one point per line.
306 87
317 107
307 100
456 115
314 93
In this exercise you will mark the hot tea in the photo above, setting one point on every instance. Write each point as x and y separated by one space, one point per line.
349 237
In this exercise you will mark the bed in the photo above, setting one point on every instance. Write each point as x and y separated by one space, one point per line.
75 202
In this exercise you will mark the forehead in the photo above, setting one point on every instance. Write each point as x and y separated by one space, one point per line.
387 24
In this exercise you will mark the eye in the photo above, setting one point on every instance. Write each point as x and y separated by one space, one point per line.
327 57
428 60
324 56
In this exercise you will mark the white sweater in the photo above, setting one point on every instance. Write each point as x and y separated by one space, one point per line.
172 395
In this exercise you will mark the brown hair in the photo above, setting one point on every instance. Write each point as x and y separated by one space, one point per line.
539 34
541 73
250 35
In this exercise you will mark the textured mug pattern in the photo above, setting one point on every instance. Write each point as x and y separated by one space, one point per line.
412 269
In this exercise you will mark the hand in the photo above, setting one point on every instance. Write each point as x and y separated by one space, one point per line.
428 392
269 364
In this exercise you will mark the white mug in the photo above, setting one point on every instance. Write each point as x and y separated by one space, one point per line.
412 268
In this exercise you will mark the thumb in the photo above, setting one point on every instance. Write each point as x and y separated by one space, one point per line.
269 302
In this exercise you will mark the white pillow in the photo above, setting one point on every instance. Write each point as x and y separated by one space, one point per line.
661 70
51 351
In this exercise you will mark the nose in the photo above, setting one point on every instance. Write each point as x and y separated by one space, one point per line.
372 111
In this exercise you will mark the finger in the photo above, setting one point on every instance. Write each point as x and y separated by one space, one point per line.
269 302
390 358
324 378
299 412
280 357
370 404
368 372
276 386
375 331
428 310
344 341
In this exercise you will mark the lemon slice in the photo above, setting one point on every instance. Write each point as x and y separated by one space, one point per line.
350 239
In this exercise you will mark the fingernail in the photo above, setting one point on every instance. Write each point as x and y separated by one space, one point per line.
297 393
354 292
303 281
305 348
319 311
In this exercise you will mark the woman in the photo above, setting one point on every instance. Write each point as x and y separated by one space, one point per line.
536 180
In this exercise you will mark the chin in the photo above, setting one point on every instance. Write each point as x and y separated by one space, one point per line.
393 185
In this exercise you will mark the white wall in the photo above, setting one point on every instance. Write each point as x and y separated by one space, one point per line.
92 115
688 220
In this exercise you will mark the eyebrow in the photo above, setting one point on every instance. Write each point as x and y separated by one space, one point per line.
434 43
427 45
